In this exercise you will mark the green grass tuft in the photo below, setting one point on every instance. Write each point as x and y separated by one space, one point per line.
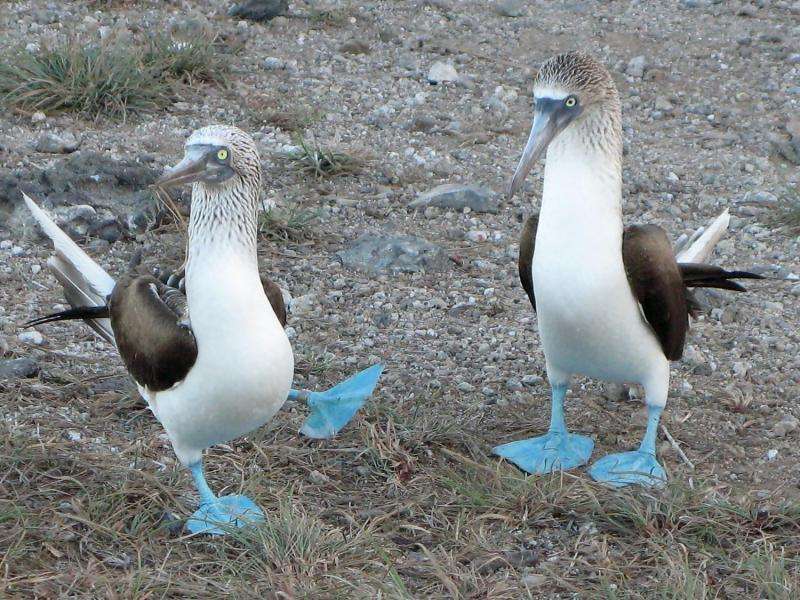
112 78
320 162
288 224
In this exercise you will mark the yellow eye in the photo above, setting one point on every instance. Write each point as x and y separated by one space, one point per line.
222 154
570 102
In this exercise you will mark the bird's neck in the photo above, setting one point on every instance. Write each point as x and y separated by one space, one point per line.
222 228
582 194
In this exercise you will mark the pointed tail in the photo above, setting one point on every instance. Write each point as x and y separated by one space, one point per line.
710 276
86 285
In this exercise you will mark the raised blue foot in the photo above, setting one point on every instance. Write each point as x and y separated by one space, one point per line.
223 514
547 453
627 468
332 409
637 467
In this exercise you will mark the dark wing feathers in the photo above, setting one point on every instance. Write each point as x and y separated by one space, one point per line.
702 275
157 351
657 284
275 297
527 242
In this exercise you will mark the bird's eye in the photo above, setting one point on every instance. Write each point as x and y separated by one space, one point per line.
222 154
570 102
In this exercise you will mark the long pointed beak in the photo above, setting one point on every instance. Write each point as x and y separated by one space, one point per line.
542 133
189 170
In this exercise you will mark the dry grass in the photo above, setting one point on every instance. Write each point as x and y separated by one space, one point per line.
403 504
293 224
113 78
313 159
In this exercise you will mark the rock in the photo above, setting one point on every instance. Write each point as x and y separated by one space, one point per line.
318 478
533 580
273 63
441 72
531 380
260 10
18 368
3 345
788 149
81 220
52 143
772 454
456 196
38 117
514 385
636 67
786 425
466 387
354 47
31 337
391 253
302 304
510 8
422 123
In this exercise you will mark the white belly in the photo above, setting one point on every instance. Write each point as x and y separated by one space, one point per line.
243 371
589 320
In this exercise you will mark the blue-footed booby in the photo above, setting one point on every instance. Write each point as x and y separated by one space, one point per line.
612 303
215 363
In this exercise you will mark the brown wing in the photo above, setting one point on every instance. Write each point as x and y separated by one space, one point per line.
145 315
275 297
527 243
657 284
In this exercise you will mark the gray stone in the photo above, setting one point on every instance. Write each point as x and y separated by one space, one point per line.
52 143
18 368
390 253
636 67
510 8
354 46
31 337
260 10
456 196
441 72
273 63
786 425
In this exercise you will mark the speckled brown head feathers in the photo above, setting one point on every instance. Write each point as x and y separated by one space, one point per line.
578 73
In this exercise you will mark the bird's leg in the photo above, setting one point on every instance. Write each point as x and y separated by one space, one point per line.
332 409
556 450
219 515
637 467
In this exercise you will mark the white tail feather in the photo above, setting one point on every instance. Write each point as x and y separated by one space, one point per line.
698 249
85 282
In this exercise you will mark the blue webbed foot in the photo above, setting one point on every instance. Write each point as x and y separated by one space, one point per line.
547 453
637 467
332 409
223 514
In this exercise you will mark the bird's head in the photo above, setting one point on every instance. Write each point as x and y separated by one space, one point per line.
217 155
569 89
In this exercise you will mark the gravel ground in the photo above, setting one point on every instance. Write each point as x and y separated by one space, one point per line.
709 90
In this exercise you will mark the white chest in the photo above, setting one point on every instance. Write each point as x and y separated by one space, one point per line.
244 365
589 320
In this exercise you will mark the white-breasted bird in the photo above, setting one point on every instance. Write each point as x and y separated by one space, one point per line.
612 303
215 363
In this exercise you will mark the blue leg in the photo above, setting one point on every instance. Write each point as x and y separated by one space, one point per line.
639 466
556 450
217 516
332 409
